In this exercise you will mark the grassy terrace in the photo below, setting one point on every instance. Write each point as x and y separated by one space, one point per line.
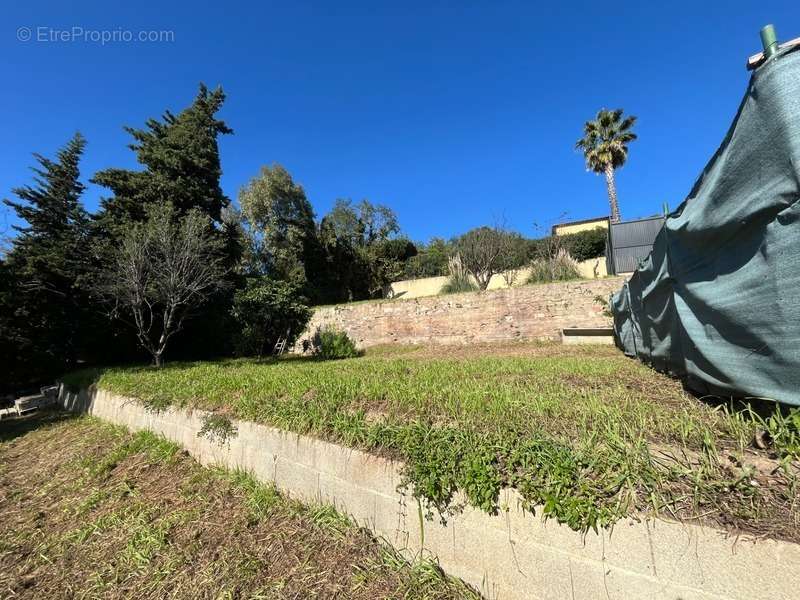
582 432
89 511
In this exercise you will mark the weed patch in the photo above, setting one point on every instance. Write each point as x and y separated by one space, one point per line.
217 428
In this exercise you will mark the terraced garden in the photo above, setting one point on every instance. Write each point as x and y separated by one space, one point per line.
586 435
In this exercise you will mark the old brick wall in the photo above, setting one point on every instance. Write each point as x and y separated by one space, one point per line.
532 312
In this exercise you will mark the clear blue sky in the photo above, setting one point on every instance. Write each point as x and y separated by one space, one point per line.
456 114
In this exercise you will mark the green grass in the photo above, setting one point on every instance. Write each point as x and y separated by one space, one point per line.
583 433
99 512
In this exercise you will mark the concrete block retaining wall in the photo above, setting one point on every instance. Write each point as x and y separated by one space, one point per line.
508 556
531 312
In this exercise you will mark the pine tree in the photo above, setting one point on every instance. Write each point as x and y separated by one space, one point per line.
51 207
180 156
43 299
181 159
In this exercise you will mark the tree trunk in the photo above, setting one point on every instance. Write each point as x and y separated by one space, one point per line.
612 194
157 359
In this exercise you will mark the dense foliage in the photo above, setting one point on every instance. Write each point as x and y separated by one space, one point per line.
587 244
484 251
430 260
181 163
179 154
517 252
281 220
62 288
167 256
581 246
44 317
267 310
352 253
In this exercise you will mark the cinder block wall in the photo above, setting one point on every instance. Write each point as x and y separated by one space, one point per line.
513 555
532 312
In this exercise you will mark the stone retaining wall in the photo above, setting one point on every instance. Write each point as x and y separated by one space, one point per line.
531 312
513 555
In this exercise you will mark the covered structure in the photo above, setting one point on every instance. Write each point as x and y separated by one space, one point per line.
716 302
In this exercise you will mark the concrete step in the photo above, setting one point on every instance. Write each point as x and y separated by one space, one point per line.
587 335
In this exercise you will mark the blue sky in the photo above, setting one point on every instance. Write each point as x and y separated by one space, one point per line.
456 114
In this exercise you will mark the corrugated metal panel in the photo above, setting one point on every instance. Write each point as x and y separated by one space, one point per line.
627 259
635 233
632 241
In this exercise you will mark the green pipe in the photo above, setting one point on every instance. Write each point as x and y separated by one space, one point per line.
769 40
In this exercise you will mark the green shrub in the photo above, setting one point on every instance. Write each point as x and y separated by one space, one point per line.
265 310
587 244
331 344
561 267
581 246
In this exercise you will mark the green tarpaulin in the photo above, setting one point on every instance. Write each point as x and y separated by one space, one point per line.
717 302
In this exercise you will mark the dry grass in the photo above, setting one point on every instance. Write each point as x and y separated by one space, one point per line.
89 510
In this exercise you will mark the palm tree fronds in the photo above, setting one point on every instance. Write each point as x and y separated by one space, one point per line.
605 147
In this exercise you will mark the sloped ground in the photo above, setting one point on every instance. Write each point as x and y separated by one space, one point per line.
88 510
582 432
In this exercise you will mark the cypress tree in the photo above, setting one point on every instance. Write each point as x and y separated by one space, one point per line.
181 159
43 299
180 156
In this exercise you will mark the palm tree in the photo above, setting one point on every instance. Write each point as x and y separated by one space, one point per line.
605 147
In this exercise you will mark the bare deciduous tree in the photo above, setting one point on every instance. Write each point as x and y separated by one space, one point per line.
483 251
514 257
163 269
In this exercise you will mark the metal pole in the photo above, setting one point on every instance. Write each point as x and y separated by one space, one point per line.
769 40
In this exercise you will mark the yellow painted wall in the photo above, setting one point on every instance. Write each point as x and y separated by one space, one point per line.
568 228
431 286
593 268
416 288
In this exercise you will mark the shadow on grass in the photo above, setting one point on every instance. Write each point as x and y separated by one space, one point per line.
760 408
85 378
12 428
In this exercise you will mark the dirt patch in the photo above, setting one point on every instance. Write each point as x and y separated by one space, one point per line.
89 510
500 349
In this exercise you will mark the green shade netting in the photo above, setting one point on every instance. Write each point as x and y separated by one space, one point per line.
717 302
